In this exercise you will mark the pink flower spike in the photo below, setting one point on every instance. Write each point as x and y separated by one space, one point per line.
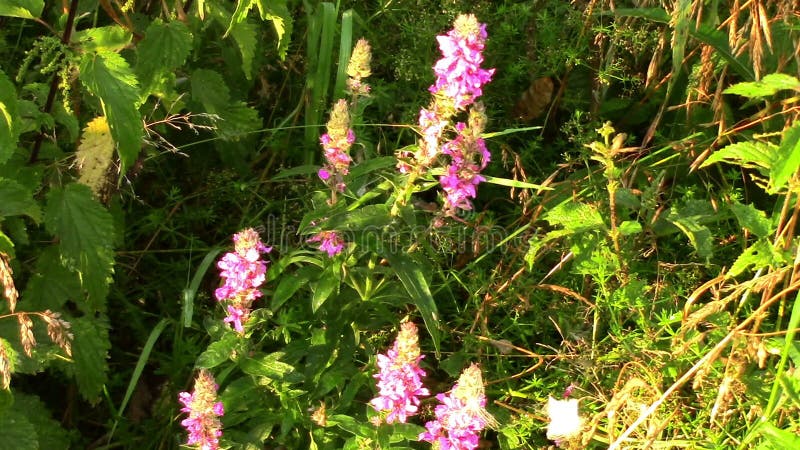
330 242
243 271
202 423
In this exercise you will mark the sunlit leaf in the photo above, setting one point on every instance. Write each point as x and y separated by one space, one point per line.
769 85
9 130
24 9
164 48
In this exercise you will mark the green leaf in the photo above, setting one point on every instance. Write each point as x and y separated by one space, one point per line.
108 76
9 129
290 283
767 86
86 234
629 227
575 217
788 159
17 200
244 34
760 254
277 12
24 9
270 366
89 353
413 279
164 48
236 119
699 235
18 432
752 219
719 41
112 38
752 155
218 352
776 438
328 282
49 432
190 292
52 284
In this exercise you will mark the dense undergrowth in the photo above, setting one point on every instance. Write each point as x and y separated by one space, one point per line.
626 276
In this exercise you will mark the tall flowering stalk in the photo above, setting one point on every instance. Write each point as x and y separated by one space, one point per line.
459 83
243 271
400 377
203 423
461 414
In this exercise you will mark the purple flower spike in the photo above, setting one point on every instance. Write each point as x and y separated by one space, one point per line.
204 411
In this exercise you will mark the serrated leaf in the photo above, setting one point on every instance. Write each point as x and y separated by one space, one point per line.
244 34
769 85
51 285
18 432
111 38
269 366
108 76
24 9
49 432
752 219
629 227
236 119
760 254
94 154
86 234
9 130
278 13
164 48
575 217
89 354
690 222
17 200
217 352
753 155
787 161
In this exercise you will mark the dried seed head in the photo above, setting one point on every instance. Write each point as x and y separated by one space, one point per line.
319 416
58 330
26 333
469 390
5 366
359 65
9 290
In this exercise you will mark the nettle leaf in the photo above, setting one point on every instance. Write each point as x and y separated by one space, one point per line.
575 217
769 85
236 118
752 155
690 219
108 76
24 9
9 129
787 161
752 219
761 254
278 13
111 38
17 200
49 432
89 353
52 284
164 48
244 33
18 432
86 234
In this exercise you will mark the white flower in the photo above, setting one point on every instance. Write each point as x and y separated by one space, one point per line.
565 423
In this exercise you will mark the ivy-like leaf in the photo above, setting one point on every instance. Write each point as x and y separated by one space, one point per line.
164 48
769 85
24 9
17 200
108 76
9 131
86 234
18 432
89 353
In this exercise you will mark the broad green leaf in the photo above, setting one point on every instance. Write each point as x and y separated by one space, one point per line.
767 86
324 287
752 219
244 33
218 352
108 76
24 9
85 230
269 366
52 284
760 254
16 200
629 227
240 13
164 48
699 235
49 432
776 438
18 432
290 283
370 217
753 155
111 38
575 217
89 353
788 159
277 12
236 119
413 279
9 129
